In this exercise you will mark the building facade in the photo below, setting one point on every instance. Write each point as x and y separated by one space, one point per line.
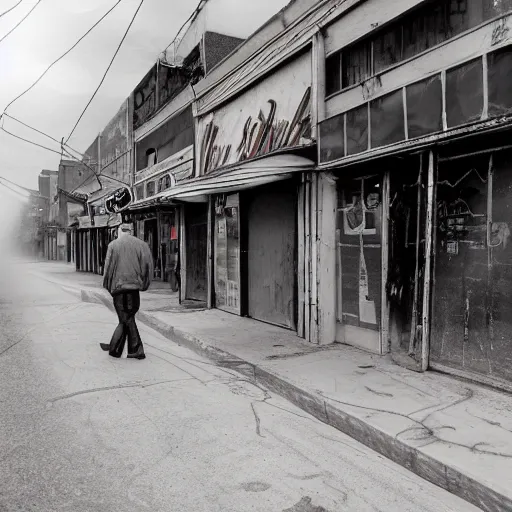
414 119
109 162
345 173
165 152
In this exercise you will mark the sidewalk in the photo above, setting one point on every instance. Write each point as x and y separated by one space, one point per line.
453 433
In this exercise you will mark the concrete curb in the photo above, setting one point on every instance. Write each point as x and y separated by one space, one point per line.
428 468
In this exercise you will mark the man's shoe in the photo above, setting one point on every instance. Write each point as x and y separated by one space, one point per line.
138 355
105 346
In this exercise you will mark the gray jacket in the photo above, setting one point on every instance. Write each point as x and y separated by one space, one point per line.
128 265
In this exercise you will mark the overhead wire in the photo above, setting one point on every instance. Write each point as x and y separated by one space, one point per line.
107 70
9 10
29 141
195 12
12 183
21 21
13 190
63 55
39 131
66 153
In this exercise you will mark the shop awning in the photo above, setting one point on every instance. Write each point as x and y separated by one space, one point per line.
241 176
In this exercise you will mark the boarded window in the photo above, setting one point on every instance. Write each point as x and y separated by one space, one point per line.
387 119
333 74
150 188
332 144
500 71
139 192
357 130
424 107
387 48
150 157
464 93
356 64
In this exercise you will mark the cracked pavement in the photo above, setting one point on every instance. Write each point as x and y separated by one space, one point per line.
80 431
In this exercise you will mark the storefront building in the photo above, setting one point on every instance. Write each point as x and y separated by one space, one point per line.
164 149
413 129
157 220
253 149
164 142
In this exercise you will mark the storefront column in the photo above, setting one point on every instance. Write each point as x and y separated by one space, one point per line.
326 273
209 256
384 327
183 254
427 286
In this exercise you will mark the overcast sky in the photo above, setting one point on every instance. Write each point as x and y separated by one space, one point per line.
54 105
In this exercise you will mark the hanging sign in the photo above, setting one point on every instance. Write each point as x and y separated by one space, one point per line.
101 221
119 200
84 222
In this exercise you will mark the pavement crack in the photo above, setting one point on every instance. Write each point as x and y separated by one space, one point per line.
141 385
181 369
374 409
490 422
93 390
257 419
379 393
468 396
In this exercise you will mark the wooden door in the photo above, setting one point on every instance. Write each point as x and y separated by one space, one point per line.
271 253
196 233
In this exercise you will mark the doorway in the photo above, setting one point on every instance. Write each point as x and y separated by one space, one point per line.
406 268
271 254
196 241
151 238
472 324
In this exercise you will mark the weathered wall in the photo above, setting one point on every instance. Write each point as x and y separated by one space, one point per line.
216 47
71 175
176 134
114 145
91 155
271 115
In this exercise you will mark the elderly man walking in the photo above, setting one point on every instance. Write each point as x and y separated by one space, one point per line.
128 271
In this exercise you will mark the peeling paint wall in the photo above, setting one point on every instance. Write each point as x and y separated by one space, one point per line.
471 323
173 136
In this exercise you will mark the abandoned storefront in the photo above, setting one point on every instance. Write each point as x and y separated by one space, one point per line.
255 255
423 195
253 164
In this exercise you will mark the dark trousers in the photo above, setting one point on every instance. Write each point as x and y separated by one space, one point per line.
127 304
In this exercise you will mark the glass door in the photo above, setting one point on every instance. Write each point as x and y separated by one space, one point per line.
227 253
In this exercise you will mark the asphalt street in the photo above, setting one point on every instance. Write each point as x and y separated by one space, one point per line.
83 432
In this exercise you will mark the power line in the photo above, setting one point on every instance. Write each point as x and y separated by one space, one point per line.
107 70
39 131
9 10
64 54
97 175
195 12
68 154
19 186
21 21
13 190
29 141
